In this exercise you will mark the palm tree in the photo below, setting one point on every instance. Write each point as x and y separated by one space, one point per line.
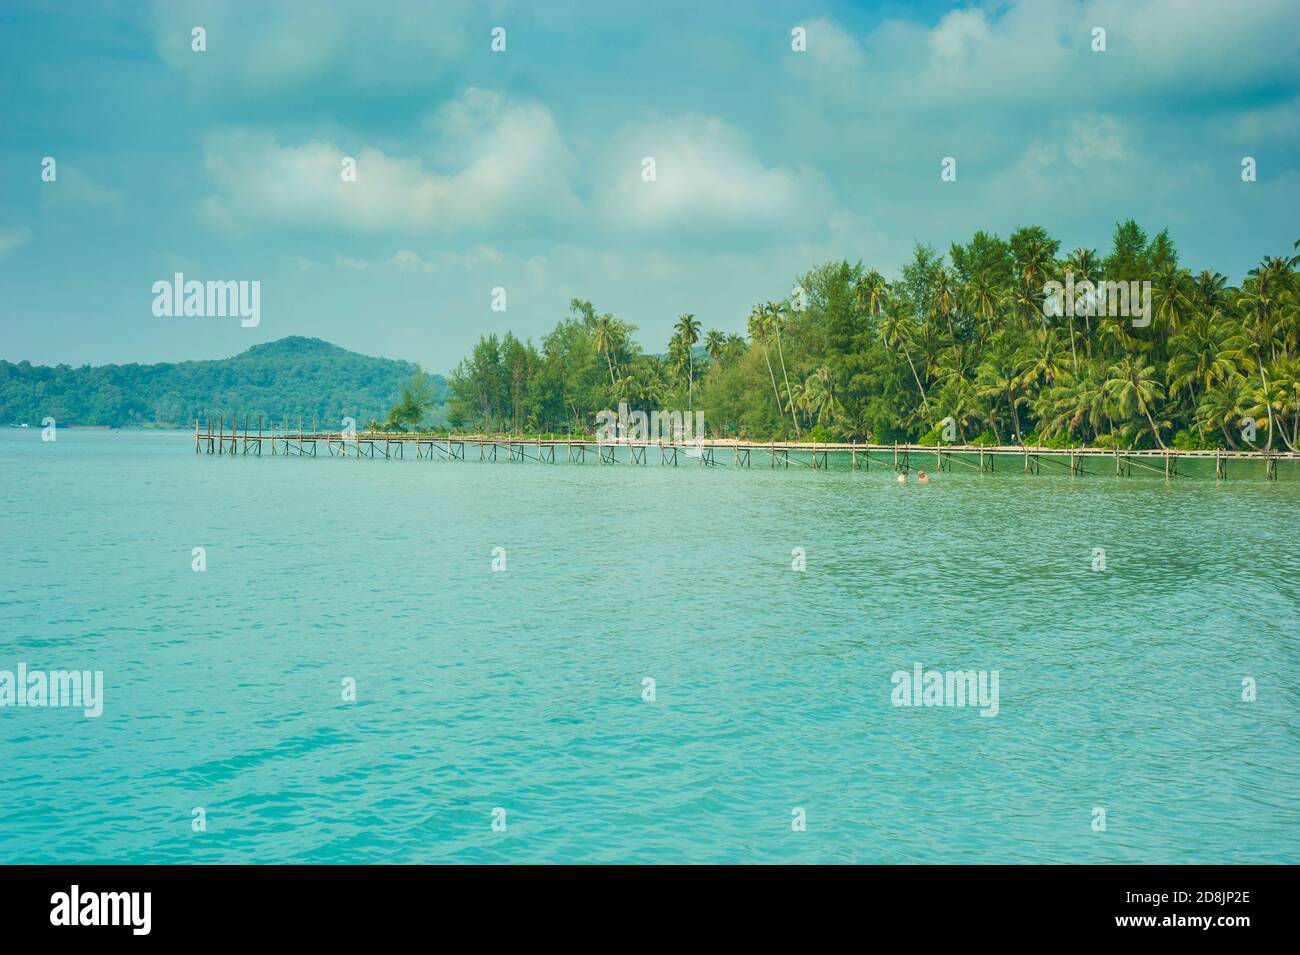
1083 266
796 400
679 357
896 330
775 317
980 296
714 342
1000 378
820 399
1225 404
1075 402
758 331
1171 298
604 337
625 389
1265 292
688 331
943 298
869 292
1203 352
1133 387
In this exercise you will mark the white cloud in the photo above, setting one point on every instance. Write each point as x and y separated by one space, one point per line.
707 179
405 260
514 172
73 185
1036 51
286 56
959 36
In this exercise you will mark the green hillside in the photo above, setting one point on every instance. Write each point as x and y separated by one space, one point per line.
281 380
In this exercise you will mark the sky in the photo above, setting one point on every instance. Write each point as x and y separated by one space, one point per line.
524 170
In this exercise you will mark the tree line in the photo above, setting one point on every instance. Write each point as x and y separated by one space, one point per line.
956 347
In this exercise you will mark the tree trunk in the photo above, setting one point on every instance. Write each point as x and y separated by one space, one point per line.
924 403
1155 432
781 352
780 412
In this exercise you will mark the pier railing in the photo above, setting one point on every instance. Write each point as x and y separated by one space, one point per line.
251 436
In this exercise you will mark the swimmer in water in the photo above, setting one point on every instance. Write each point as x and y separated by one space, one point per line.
922 477
902 478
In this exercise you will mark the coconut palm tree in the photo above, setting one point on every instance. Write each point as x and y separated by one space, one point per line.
775 317
869 292
1203 353
714 343
1000 378
943 298
758 331
1133 387
688 330
896 331
820 398
980 297
605 340
679 357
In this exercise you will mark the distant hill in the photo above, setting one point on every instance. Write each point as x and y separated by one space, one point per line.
281 380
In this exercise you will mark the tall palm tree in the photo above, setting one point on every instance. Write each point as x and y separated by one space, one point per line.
604 337
943 298
714 342
1264 294
679 356
980 296
758 331
869 292
896 331
1083 266
688 330
774 317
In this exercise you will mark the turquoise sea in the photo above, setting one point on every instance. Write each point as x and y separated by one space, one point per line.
1119 689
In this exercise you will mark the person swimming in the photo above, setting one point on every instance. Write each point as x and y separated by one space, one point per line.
922 477
902 477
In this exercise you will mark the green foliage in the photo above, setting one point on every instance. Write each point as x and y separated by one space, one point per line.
964 336
280 380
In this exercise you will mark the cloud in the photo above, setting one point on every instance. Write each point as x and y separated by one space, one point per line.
405 260
707 179
514 173
14 238
1071 153
73 185
1034 52
298 57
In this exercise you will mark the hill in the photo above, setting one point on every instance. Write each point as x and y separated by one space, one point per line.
281 380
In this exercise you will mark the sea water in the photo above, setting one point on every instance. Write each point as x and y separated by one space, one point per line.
432 661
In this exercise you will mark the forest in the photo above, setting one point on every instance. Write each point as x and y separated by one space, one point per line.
282 380
958 347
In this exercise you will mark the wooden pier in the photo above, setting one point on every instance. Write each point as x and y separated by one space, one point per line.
251 436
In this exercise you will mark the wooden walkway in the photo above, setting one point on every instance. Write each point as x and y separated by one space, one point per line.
244 438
